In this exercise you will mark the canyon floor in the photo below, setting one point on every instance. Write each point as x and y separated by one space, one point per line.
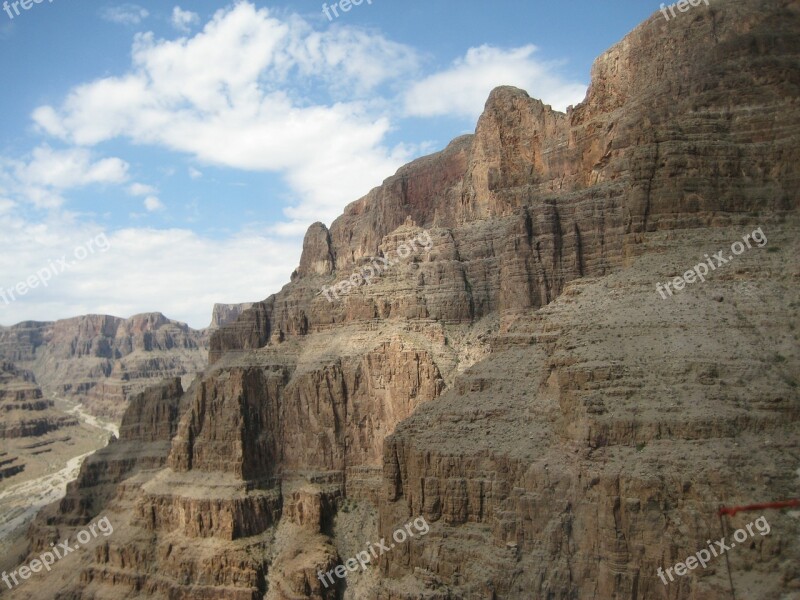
51 462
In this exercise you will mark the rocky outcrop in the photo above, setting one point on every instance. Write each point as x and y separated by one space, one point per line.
152 416
519 384
317 258
10 466
24 413
17 387
594 445
329 415
23 410
224 314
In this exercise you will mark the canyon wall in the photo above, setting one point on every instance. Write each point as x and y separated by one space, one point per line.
519 384
101 360
24 413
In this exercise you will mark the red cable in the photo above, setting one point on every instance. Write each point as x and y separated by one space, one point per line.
732 510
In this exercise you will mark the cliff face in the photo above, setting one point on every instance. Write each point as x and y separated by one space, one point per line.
518 381
677 131
224 314
23 410
102 360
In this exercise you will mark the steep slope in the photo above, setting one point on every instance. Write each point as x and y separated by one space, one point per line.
516 380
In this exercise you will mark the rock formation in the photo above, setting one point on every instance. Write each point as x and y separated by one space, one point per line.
224 314
522 385
23 410
102 360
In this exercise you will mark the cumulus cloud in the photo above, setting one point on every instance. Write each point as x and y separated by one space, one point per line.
70 168
124 14
232 96
184 20
462 89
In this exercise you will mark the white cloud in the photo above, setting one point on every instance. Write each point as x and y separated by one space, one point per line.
141 189
194 173
463 88
124 14
64 169
184 20
153 204
173 271
219 97
42 177
350 61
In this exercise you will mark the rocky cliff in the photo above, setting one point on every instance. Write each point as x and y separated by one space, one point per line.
519 382
24 413
225 314
101 360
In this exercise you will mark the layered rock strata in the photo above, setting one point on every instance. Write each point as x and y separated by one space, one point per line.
23 410
101 361
521 385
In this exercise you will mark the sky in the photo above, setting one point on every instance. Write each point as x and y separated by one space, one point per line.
165 157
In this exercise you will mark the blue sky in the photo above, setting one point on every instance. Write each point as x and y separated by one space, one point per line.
200 140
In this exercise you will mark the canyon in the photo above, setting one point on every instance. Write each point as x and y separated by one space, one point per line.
101 360
69 398
523 386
